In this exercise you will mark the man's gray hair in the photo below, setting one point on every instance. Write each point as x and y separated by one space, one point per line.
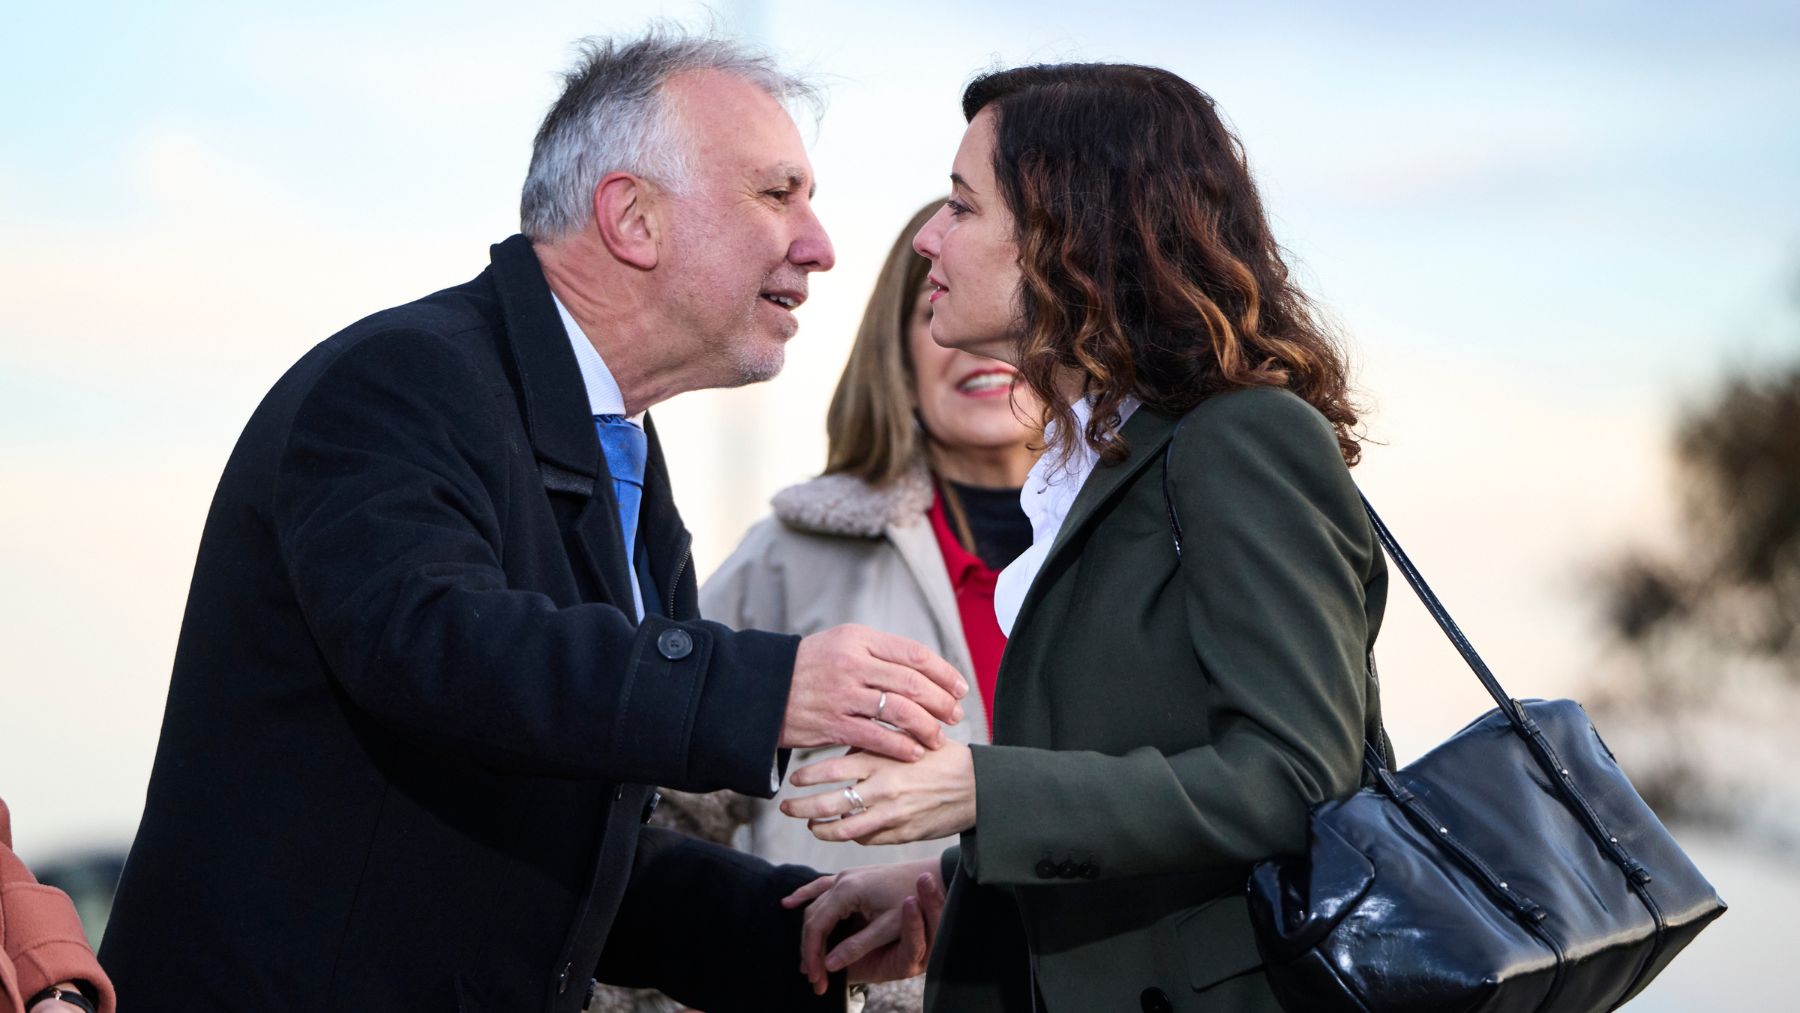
615 115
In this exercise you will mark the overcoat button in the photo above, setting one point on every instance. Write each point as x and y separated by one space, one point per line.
1046 869
562 979
1066 870
1155 1000
675 644
1088 870
650 805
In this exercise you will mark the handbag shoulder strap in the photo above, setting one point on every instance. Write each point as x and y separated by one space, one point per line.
1414 579
1515 714
1556 775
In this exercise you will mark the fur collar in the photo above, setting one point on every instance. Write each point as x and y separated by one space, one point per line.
846 505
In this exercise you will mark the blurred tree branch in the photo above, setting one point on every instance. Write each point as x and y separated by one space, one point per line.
1706 634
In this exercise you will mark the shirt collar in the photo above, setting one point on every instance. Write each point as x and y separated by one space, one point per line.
604 397
1052 484
1049 492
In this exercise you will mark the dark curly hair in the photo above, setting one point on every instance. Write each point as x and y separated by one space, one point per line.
1149 266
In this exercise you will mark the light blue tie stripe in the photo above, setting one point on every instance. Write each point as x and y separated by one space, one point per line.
626 449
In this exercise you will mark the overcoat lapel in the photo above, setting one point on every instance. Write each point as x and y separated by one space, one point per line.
1145 434
665 536
918 549
558 421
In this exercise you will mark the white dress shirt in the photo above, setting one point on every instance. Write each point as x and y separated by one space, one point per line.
1050 490
604 398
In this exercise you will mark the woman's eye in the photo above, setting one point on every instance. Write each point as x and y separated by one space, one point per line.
957 208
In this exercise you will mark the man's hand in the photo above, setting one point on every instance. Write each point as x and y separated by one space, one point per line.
848 676
896 909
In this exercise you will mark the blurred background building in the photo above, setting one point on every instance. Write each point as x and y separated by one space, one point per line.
1562 238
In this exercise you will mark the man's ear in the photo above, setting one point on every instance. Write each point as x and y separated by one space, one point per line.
626 214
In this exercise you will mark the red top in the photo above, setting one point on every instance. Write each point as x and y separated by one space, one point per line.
973 583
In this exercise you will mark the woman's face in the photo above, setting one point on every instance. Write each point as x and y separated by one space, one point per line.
974 281
965 401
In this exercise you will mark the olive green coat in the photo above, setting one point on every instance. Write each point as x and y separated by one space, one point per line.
1163 723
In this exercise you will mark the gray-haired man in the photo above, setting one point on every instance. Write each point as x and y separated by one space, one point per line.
442 635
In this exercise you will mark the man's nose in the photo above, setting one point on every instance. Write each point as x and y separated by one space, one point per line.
812 249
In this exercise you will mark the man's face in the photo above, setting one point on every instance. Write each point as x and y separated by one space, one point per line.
742 237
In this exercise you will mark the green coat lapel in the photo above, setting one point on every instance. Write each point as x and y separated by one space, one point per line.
1145 433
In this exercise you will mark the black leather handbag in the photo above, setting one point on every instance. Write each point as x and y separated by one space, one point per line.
1513 867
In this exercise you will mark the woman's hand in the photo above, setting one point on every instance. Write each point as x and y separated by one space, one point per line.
929 798
57 1005
895 909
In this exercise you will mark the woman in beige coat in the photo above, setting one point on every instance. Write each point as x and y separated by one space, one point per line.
906 531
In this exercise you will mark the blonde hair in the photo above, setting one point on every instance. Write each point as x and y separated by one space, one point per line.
870 428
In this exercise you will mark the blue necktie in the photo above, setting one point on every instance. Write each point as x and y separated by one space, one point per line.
626 448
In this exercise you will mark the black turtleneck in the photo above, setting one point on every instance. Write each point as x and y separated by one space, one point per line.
999 524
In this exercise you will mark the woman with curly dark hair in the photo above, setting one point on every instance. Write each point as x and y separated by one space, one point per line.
1162 720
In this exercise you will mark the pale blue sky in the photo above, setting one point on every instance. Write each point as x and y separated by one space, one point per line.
1595 193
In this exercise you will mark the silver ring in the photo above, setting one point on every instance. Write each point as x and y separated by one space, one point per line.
881 705
857 805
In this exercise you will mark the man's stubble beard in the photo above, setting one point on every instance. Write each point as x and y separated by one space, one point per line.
754 361
750 356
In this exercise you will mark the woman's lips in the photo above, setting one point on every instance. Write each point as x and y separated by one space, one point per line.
988 383
938 288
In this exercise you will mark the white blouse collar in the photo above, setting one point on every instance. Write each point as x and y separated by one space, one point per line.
1050 490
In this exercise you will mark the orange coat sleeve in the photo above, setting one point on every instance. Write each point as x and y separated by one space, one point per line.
40 932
